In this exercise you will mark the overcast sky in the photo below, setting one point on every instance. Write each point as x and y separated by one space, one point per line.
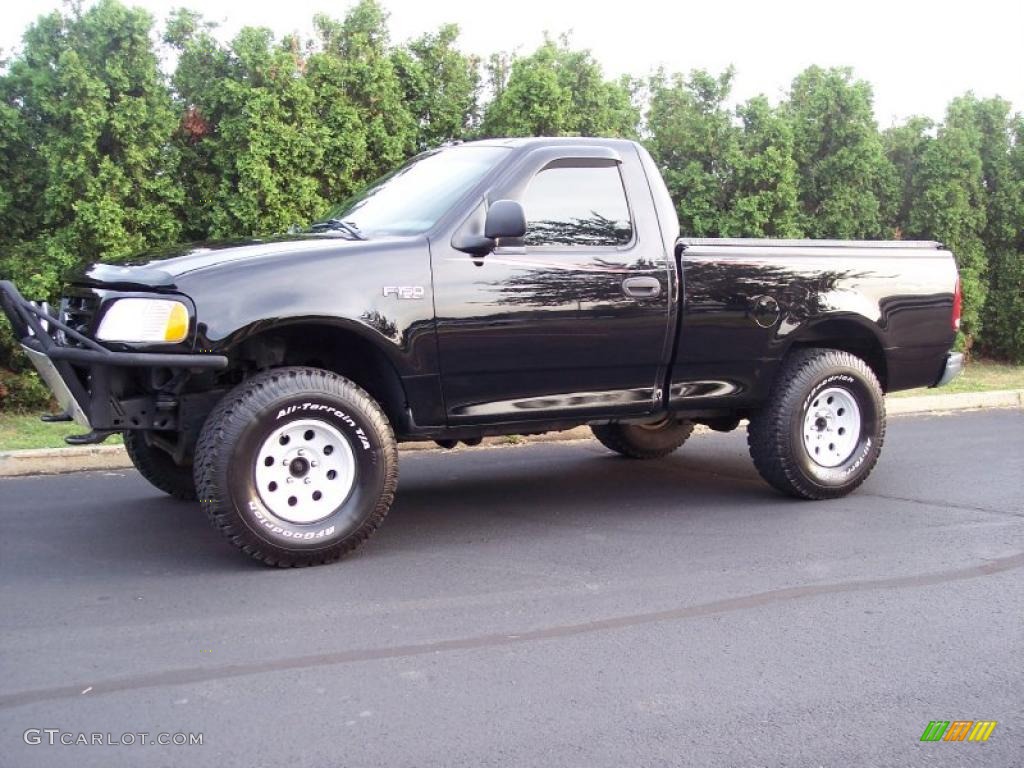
917 54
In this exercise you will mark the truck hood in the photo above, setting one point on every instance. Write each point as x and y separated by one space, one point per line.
159 269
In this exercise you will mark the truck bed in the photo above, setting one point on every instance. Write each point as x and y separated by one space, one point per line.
747 302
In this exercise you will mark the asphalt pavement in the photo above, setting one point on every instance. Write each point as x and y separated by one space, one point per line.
544 605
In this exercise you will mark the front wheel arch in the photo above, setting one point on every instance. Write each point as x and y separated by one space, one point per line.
348 349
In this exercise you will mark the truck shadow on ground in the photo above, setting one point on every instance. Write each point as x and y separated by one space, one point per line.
586 489
590 483
472 495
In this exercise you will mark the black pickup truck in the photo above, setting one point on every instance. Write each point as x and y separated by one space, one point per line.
496 287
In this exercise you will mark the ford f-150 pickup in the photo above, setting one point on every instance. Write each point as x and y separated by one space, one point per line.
495 287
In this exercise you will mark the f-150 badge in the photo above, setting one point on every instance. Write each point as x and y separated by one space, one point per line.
404 291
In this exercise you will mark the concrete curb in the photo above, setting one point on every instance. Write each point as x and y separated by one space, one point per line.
52 461
964 401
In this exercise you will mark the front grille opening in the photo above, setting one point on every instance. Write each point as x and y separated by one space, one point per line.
77 312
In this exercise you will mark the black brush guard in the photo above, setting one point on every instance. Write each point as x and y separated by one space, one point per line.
94 407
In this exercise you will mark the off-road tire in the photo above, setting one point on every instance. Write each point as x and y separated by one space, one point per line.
641 441
775 435
239 427
158 467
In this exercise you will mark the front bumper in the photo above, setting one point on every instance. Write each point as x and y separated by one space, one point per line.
87 397
954 365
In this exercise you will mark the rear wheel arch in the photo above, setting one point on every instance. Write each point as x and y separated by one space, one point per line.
857 337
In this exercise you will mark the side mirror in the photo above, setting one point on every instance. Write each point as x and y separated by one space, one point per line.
479 234
505 218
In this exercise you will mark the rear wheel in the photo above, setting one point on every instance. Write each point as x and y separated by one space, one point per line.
644 441
297 466
821 431
158 467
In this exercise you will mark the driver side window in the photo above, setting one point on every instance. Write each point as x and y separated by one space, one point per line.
577 206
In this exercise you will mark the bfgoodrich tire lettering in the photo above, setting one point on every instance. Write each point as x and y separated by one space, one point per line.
234 436
778 434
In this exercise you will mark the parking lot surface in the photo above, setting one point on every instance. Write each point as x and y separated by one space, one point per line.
541 605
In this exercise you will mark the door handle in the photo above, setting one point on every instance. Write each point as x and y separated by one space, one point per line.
641 287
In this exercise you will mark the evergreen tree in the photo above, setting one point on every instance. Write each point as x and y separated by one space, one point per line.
1001 154
440 84
950 206
87 107
364 69
905 146
694 141
847 186
557 91
765 199
250 133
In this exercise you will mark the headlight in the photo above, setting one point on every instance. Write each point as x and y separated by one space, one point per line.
145 320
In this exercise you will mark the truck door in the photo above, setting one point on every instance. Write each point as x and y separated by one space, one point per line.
573 318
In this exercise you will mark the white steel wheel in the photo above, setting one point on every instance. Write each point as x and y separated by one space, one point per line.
832 426
304 471
253 438
820 432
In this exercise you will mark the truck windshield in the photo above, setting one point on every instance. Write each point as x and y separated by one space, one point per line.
412 199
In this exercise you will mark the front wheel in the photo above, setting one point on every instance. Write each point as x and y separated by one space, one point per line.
820 433
296 466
